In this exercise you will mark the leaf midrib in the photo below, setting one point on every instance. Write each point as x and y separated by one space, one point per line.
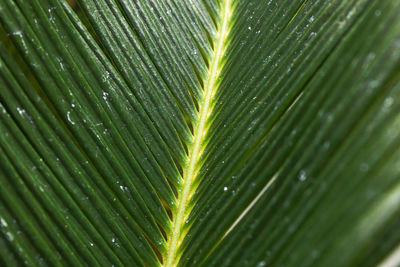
175 237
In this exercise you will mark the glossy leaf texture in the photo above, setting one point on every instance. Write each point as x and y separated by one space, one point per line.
187 133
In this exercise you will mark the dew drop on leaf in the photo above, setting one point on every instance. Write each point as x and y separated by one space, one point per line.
10 236
302 175
3 222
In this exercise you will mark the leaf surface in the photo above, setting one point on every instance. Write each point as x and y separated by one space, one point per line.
185 133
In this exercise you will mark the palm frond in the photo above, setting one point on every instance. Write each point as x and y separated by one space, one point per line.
245 133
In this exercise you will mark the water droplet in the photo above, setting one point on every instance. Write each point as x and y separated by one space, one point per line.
311 19
302 175
388 102
10 236
225 188
261 264
69 118
105 76
60 61
3 222
373 84
21 111
105 94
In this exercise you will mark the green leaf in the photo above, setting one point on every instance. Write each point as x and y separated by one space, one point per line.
187 133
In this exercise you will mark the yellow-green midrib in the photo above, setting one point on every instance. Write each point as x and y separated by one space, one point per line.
175 237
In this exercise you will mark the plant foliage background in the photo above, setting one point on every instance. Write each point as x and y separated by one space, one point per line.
215 133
